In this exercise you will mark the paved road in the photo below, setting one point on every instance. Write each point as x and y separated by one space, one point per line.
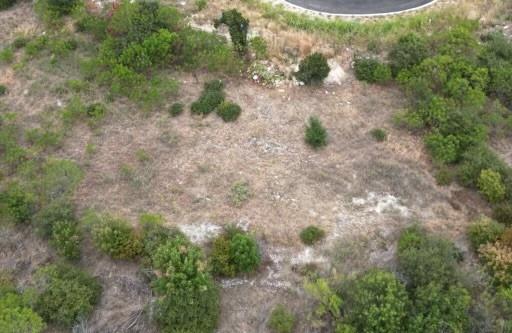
358 7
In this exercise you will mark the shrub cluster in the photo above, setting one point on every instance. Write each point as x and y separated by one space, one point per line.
16 314
210 99
234 252
371 70
313 69
64 294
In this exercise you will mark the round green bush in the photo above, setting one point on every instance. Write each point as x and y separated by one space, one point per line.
281 320
115 237
313 69
484 231
17 204
379 134
371 70
176 109
491 185
234 252
64 294
229 111
316 134
503 213
4 4
312 234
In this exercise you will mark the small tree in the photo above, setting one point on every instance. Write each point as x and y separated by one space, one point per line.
316 134
313 69
238 29
491 185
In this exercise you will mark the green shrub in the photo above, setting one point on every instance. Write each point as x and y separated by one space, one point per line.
95 113
234 252
497 260
424 258
176 109
316 134
50 11
502 213
311 235
313 69
3 90
66 238
229 111
281 320
379 134
409 51
377 302
201 4
154 233
439 309
211 97
6 55
444 149
484 231
16 316
371 70
114 236
64 294
20 42
18 204
57 210
491 185
259 47
4 4
58 179
238 29
188 297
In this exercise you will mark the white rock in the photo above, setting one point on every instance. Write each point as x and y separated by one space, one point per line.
336 75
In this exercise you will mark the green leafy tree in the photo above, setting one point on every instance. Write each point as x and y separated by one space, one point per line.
238 29
377 302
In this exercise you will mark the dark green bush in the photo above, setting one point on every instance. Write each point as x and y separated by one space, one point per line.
503 213
66 238
409 51
316 134
188 297
376 302
423 258
57 210
154 233
95 112
371 70
114 236
4 4
313 69
238 29
17 204
176 109
3 90
311 235
234 252
211 97
50 11
65 294
379 134
281 320
229 111
484 231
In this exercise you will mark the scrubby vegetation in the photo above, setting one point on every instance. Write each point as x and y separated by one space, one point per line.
313 69
281 320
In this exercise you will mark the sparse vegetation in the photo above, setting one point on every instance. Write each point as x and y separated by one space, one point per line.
281 320
240 193
379 134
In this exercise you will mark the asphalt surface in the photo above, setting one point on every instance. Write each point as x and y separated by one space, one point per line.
359 7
